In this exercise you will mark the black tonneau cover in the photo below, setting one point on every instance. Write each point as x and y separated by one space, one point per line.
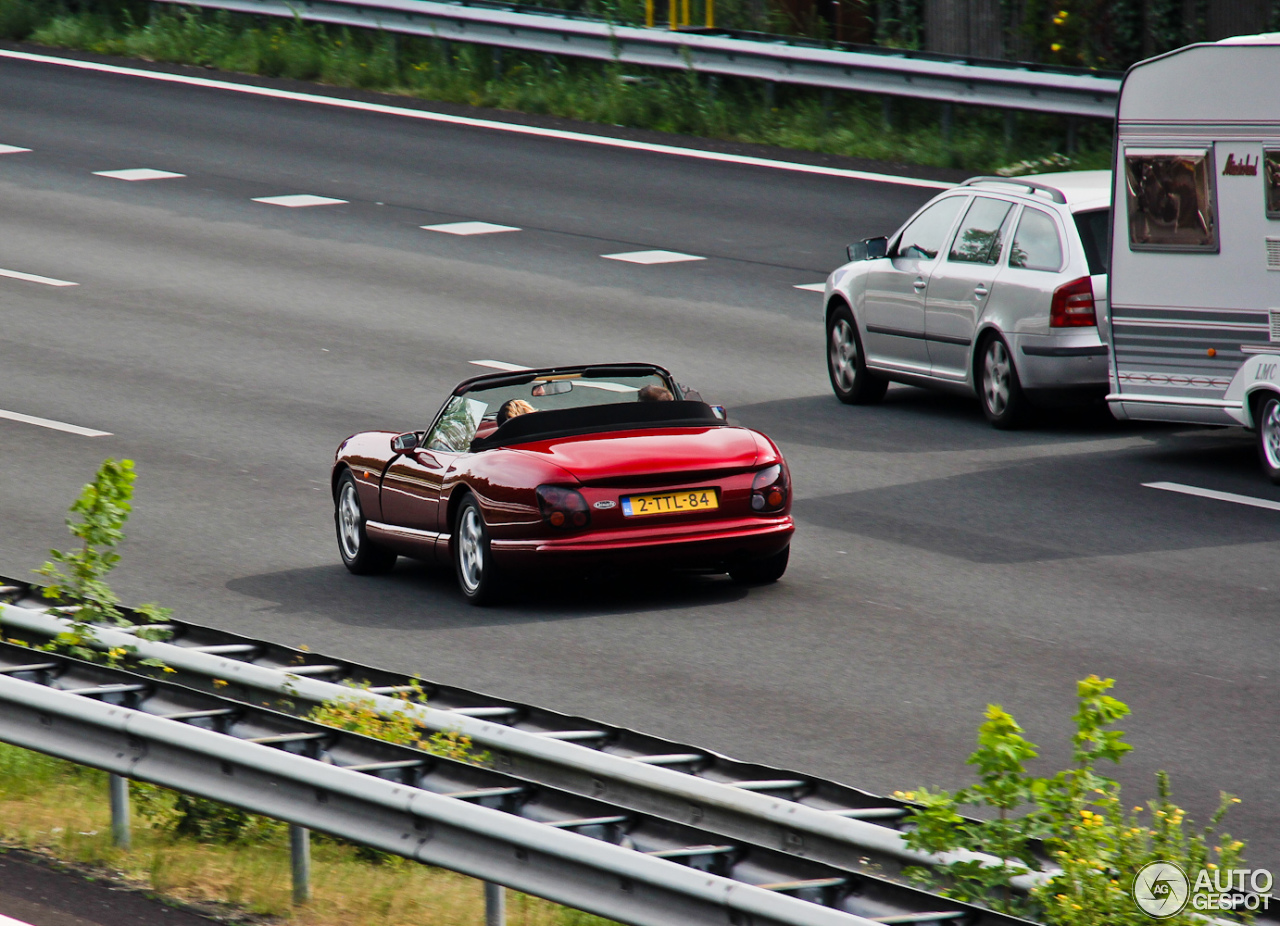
590 419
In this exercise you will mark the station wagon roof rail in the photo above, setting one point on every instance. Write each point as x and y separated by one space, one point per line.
1030 185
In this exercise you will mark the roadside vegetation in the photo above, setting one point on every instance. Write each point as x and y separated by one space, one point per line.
904 131
233 864
1075 821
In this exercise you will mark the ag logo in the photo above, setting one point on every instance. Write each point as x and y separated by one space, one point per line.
1161 889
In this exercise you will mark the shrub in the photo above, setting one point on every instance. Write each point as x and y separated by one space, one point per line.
1074 820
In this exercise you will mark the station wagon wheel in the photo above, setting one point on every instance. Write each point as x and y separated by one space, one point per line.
1268 422
1003 401
846 364
359 554
472 556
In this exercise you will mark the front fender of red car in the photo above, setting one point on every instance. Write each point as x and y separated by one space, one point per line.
366 455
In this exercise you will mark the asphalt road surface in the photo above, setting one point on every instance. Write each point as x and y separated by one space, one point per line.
228 345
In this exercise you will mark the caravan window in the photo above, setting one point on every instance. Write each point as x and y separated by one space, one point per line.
1170 199
1271 173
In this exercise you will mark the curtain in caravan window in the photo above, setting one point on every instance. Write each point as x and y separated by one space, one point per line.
1271 170
1170 200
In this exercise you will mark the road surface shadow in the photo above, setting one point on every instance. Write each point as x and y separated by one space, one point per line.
415 593
911 420
1054 508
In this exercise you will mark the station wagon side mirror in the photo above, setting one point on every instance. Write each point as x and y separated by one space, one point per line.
403 443
869 249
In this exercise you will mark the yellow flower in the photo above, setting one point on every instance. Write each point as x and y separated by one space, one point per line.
1055 47
1137 810
170 670
219 683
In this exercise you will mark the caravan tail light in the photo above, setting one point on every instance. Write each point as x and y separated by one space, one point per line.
1072 305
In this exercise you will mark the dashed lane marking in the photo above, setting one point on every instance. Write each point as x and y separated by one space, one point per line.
137 173
812 287
498 365
490 124
298 200
35 278
469 228
53 426
1215 495
12 149
651 257
8 920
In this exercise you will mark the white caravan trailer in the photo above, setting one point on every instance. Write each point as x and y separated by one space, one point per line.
1195 243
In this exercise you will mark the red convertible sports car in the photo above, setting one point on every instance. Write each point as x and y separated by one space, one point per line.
585 465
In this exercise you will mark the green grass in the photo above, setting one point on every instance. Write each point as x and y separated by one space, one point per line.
667 101
60 809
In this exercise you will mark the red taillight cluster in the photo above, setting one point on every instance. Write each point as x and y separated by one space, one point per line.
562 508
1072 305
769 489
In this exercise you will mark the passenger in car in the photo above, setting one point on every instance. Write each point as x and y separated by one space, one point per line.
511 408
654 394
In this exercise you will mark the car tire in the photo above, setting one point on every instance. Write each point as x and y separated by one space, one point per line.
359 554
846 365
1267 421
762 571
473 562
1003 401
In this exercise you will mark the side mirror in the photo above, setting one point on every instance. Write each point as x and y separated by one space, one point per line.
719 412
868 249
403 443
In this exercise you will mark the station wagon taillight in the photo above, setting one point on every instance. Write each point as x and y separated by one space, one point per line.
1072 305
563 508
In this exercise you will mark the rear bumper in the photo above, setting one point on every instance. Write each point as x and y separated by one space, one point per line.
1077 361
696 546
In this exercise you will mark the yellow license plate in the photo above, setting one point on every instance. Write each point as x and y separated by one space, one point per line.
670 502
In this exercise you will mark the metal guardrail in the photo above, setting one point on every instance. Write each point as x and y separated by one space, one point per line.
70 724
773 59
798 814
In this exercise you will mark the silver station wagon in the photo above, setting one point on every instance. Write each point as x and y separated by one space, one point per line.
993 289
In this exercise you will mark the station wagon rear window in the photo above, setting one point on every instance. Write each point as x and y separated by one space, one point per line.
1170 200
1271 175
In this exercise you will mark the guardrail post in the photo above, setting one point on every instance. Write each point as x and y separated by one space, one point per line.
1010 128
118 791
1071 134
300 862
495 904
945 118
497 63
886 113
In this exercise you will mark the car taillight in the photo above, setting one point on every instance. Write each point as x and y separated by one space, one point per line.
1072 305
562 508
769 489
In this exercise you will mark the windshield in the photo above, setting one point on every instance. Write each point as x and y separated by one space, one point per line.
483 409
1095 235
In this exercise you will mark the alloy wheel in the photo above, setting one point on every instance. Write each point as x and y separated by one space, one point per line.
995 377
1270 434
349 521
843 354
470 549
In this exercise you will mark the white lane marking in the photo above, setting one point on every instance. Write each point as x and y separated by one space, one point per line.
8 920
137 173
1215 495
469 228
498 365
53 425
651 257
812 287
12 149
298 200
478 123
35 278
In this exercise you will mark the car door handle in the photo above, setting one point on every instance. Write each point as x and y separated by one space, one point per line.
981 290
920 284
